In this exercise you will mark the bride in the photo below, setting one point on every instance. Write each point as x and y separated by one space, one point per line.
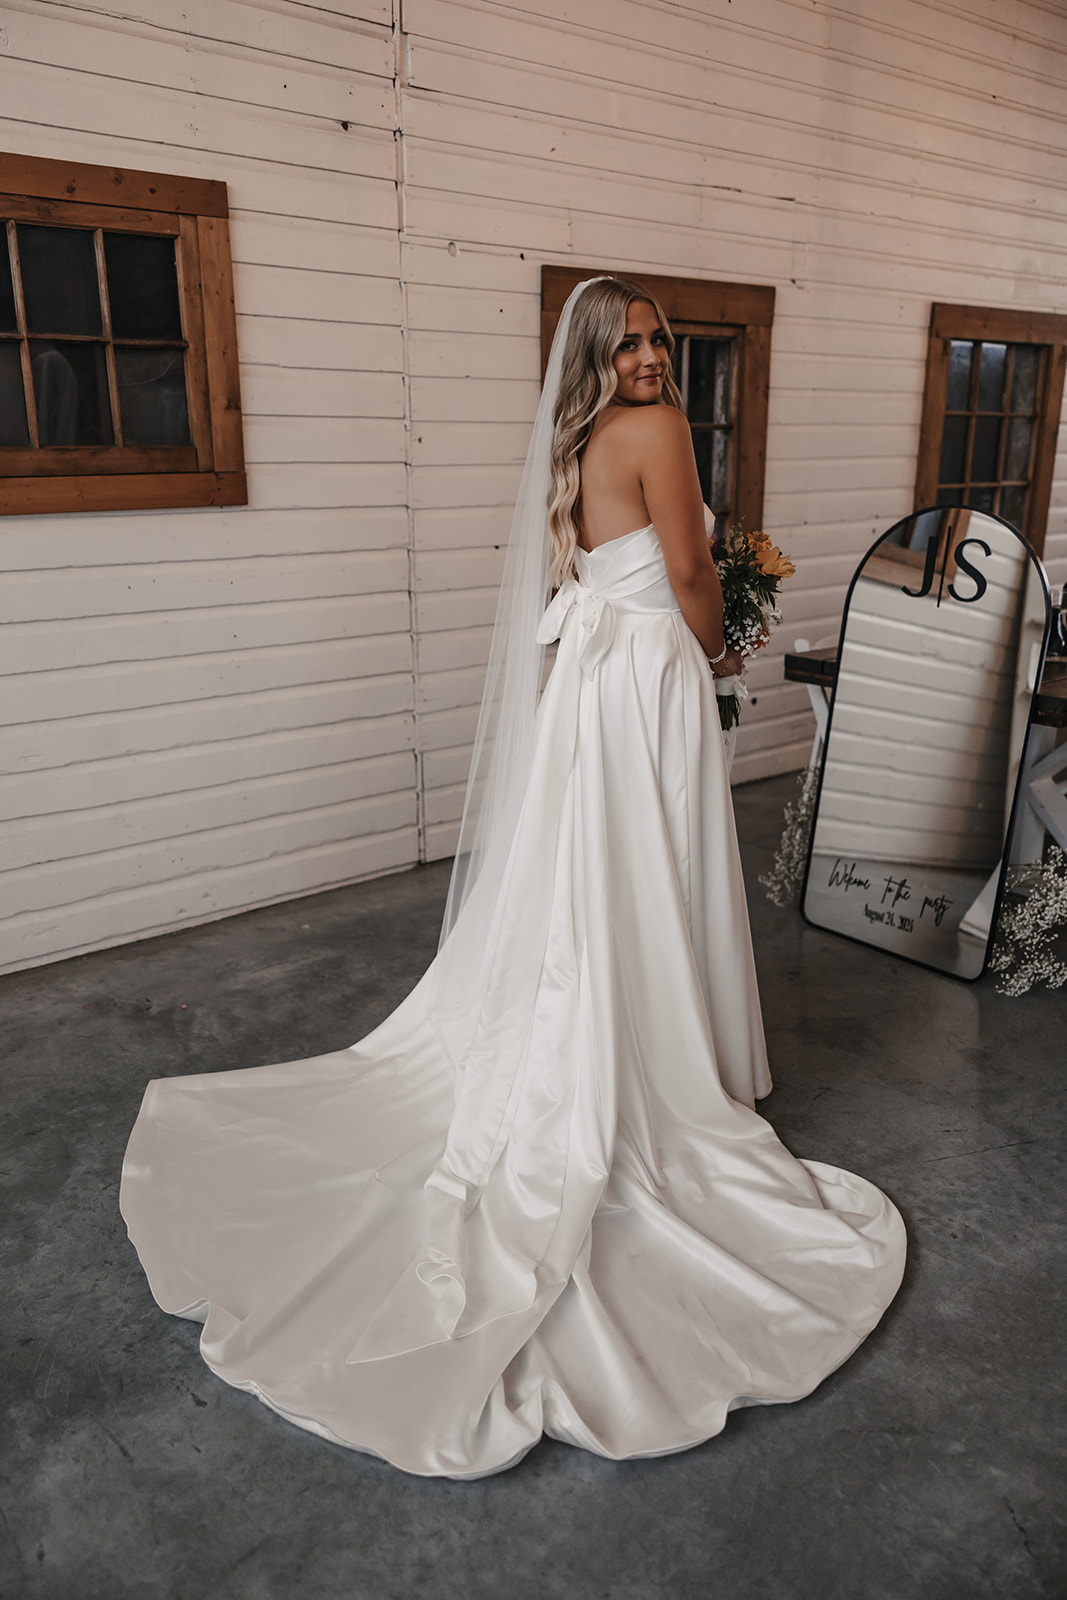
538 1198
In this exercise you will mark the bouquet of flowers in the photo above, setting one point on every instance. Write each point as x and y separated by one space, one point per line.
751 570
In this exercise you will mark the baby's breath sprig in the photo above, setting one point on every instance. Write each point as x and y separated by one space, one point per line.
1027 930
783 881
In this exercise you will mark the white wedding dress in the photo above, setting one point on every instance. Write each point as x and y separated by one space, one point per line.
537 1198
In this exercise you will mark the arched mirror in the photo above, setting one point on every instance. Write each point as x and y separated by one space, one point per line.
942 645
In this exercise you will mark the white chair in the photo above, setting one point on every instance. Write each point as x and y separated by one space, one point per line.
1042 809
819 697
1045 792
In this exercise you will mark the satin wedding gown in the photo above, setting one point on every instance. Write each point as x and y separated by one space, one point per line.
540 1201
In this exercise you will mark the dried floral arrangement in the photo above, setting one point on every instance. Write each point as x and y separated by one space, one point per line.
783 881
1027 929
751 571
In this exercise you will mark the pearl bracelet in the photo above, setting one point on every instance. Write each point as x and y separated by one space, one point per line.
713 661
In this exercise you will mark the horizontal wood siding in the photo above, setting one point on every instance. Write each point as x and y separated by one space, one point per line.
205 711
863 161
208 710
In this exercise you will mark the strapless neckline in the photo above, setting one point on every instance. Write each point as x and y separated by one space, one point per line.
648 528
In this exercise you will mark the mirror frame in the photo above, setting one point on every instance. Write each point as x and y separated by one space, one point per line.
1042 577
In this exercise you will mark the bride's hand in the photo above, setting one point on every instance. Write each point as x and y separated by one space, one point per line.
740 662
732 663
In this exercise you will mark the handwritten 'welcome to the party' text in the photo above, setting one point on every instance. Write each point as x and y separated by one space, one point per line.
896 893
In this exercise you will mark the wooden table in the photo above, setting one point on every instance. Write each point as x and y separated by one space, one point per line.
1050 708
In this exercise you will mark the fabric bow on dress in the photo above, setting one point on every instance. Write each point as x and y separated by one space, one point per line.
596 619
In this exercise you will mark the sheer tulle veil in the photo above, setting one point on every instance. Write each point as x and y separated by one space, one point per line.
503 742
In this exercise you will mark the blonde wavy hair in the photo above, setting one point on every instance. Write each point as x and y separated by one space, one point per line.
587 384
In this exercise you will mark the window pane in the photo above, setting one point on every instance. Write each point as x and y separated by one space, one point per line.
981 499
1013 504
59 279
1024 378
709 380
152 396
723 367
1017 450
8 320
13 429
720 470
984 453
991 377
953 450
142 285
949 497
961 352
70 388
702 451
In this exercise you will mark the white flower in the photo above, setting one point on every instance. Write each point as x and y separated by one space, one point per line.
1027 930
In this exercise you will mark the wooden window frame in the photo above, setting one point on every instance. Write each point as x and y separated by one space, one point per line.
1044 328
699 305
195 213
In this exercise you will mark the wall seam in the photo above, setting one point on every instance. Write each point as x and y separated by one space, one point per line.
399 78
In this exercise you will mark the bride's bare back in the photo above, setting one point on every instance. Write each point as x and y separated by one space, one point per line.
613 499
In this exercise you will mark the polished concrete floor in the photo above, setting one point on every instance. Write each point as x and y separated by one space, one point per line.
930 1467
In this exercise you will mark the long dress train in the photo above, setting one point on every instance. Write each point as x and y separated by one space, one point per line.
537 1197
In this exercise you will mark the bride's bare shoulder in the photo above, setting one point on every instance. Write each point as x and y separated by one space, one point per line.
628 426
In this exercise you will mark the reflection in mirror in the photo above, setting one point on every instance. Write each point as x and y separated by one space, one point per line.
927 729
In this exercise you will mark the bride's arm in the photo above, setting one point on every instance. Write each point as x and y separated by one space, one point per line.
671 487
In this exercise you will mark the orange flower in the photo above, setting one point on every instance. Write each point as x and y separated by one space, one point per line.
771 561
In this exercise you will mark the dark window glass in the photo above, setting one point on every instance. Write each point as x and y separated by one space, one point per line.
712 451
1024 378
1017 450
723 384
702 451
984 452
991 377
993 397
1013 504
953 450
960 357
59 283
142 286
704 370
70 390
720 470
152 396
13 428
709 380
8 319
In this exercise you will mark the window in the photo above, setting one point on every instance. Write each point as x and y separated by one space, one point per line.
704 370
994 386
119 385
722 364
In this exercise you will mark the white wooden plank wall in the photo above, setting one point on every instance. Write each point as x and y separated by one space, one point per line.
864 159
208 710
212 710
